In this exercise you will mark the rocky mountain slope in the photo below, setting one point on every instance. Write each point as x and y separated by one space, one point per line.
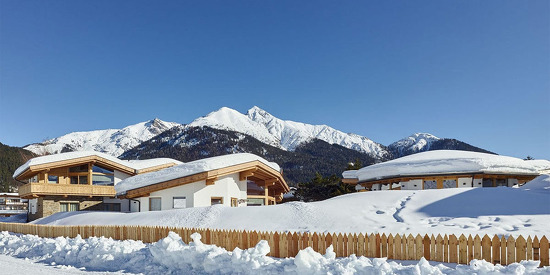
110 141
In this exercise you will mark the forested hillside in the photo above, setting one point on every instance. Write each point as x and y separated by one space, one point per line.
10 159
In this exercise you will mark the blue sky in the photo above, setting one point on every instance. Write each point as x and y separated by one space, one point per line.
478 71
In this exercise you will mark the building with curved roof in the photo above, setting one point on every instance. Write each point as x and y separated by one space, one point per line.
446 169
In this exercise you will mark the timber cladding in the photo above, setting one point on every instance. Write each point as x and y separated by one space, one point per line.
446 248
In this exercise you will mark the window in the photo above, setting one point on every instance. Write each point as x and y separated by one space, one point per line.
98 179
179 202
487 183
449 184
68 207
255 202
501 182
79 179
115 207
82 179
102 176
234 202
53 179
216 200
155 204
430 184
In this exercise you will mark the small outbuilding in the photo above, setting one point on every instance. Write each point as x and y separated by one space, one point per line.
445 169
233 180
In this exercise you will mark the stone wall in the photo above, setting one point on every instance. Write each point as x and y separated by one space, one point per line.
49 205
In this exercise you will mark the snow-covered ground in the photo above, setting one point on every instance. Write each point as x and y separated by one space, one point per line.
503 210
500 210
171 256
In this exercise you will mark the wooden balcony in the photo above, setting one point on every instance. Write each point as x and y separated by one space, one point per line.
31 190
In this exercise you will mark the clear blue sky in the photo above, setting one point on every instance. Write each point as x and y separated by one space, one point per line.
478 71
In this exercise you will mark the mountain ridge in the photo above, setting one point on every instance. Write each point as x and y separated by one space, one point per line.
257 123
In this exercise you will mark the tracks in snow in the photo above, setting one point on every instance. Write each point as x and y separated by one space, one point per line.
402 204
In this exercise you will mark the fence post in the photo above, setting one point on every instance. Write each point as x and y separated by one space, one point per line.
544 246
496 250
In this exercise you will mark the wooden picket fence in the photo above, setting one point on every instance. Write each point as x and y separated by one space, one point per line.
447 248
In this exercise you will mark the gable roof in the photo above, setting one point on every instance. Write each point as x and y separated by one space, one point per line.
75 158
447 162
204 169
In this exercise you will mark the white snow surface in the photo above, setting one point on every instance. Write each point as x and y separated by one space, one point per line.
498 210
133 164
172 256
284 134
111 141
189 168
447 161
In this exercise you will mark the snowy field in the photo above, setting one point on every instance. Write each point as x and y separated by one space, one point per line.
501 210
171 256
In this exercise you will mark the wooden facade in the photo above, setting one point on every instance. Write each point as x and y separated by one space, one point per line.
439 179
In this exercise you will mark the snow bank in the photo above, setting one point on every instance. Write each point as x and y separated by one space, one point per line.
539 184
188 169
20 218
172 256
501 210
447 162
134 164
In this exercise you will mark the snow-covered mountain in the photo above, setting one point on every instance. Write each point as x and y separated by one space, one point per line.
414 143
111 141
286 134
256 123
421 142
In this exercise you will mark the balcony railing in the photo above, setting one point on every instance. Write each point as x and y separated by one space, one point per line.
30 190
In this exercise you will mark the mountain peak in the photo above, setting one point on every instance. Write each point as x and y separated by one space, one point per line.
423 135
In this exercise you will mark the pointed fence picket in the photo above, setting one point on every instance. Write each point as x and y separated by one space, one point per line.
448 248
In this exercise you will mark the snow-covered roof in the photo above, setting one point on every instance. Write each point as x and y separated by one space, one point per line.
448 162
189 168
9 194
132 164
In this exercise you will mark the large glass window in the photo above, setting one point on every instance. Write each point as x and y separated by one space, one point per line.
102 179
102 176
253 189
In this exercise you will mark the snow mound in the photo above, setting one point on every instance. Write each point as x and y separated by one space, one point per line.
189 168
502 210
447 161
539 184
172 256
